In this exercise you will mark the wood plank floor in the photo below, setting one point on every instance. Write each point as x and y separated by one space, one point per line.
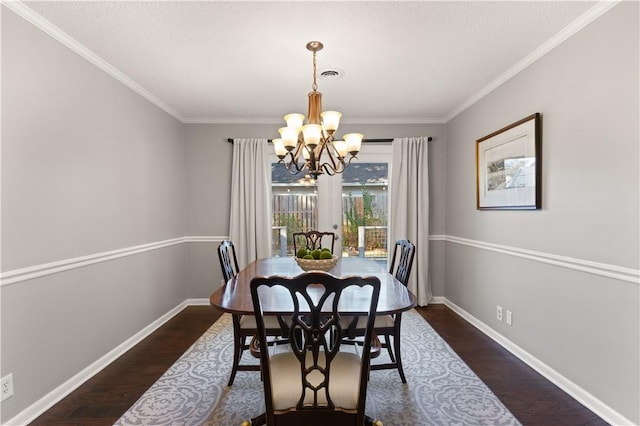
106 396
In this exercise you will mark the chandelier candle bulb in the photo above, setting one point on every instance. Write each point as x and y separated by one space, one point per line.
341 148
279 148
289 137
312 134
354 142
330 120
294 121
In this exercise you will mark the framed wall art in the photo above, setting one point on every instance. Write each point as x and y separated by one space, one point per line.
508 167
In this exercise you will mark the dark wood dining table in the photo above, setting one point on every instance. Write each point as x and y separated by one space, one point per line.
235 295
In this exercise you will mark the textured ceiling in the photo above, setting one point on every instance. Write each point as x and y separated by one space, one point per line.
419 61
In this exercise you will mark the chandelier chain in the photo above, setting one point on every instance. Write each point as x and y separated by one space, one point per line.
314 86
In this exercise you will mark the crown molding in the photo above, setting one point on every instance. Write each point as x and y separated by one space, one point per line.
581 22
279 121
43 24
31 16
231 120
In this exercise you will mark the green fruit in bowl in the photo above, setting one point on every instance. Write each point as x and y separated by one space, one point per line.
307 256
326 249
316 254
302 253
326 255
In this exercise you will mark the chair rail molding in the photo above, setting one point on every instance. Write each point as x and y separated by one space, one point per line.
205 239
602 269
611 271
31 272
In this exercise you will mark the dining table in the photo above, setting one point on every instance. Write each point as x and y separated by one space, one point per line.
235 295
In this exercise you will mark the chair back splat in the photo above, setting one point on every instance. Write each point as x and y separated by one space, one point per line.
315 383
228 260
403 253
313 240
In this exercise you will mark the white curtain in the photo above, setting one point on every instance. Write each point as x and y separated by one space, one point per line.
409 208
250 222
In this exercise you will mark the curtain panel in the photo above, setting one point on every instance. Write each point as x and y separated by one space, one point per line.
250 222
409 208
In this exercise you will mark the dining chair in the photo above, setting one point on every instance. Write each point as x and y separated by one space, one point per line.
244 326
315 382
312 240
389 325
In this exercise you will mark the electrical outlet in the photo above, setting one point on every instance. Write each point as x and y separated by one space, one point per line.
499 313
6 386
509 317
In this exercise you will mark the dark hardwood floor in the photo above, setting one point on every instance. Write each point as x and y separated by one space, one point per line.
106 396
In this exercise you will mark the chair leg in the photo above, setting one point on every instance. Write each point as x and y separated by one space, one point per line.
238 343
237 351
387 342
396 348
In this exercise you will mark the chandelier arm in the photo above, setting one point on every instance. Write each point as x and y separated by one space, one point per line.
329 171
294 157
300 147
335 168
351 157
333 160
288 165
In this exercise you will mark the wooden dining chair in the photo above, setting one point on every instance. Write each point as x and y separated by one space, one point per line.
312 240
389 325
314 383
244 326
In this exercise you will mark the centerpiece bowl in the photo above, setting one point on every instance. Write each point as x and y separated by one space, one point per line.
317 264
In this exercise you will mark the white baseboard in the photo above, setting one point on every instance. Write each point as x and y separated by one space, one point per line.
198 302
585 398
437 300
43 404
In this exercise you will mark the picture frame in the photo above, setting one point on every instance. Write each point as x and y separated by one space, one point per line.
509 167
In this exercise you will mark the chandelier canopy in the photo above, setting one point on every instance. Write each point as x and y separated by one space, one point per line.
311 148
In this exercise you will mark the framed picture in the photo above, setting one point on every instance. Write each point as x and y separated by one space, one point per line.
508 167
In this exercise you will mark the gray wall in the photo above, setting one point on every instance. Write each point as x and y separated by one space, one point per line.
583 325
88 167
208 190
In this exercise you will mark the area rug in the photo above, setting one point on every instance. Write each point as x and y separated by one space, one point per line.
440 390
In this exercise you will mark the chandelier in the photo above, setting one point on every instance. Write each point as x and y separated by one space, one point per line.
311 148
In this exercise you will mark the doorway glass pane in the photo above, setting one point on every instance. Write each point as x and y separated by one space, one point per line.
365 215
295 208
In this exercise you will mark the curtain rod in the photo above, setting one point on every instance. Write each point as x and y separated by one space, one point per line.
429 139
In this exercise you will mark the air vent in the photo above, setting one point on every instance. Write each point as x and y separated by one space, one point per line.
330 73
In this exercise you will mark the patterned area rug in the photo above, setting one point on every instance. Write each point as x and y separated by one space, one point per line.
441 389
